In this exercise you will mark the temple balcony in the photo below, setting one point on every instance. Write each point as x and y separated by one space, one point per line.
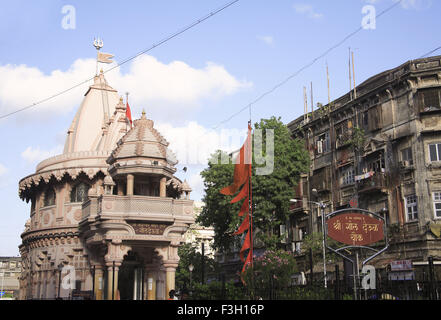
136 207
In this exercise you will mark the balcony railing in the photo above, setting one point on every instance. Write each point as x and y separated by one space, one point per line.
377 182
137 207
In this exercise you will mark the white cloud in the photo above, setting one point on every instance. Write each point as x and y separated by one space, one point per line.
35 155
175 86
193 143
307 10
3 170
196 183
416 4
408 4
269 40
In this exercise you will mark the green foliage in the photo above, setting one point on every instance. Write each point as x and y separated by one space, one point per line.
358 139
271 193
188 254
214 291
273 268
314 241
218 212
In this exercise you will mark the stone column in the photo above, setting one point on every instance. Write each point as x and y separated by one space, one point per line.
98 285
130 184
150 283
109 282
162 187
170 270
114 258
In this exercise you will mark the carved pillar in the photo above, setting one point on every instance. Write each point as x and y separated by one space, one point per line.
162 187
114 257
109 282
98 285
170 271
150 278
130 184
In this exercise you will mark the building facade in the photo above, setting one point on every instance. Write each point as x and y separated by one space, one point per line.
378 148
108 215
10 270
199 235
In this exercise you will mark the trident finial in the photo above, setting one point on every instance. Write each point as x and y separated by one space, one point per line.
98 43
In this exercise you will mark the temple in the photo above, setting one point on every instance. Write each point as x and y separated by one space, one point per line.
108 215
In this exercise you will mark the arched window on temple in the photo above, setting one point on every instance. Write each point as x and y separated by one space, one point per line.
49 197
79 192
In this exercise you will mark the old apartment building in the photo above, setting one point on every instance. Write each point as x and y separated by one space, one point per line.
379 146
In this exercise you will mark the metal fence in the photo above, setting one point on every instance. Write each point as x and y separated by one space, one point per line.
336 290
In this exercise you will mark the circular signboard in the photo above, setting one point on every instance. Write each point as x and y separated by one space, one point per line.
355 229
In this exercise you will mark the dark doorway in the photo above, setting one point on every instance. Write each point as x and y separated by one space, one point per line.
129 279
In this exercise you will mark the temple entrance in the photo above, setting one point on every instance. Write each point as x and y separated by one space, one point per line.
130 278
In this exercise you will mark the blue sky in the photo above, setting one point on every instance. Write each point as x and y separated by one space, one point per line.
196 80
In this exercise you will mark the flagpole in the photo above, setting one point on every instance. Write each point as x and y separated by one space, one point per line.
250 195
127 103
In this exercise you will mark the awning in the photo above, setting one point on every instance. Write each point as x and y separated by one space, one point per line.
436 229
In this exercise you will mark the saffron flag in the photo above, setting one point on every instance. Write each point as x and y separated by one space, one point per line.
242 177
244 226
128 115
241 168
104 57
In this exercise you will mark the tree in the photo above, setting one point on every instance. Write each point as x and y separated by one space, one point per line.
273 269
189 255
271 192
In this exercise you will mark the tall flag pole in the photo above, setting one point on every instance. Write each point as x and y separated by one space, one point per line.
242 182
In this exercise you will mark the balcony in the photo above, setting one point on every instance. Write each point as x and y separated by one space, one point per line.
137 208
375 183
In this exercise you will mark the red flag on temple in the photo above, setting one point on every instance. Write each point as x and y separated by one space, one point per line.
129 114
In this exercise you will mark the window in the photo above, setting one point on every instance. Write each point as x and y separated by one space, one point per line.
79 192
437 204
412 208
406 155
323 143
348 176
49 197
435 152
366 119
430 99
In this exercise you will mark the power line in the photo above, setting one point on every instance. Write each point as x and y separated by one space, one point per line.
429 53
166 39
280 84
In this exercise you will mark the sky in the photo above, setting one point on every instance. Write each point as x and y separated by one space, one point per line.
191 85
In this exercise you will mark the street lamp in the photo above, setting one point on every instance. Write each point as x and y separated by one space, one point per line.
190 268
322 207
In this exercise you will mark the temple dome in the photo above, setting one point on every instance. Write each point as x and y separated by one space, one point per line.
144 141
